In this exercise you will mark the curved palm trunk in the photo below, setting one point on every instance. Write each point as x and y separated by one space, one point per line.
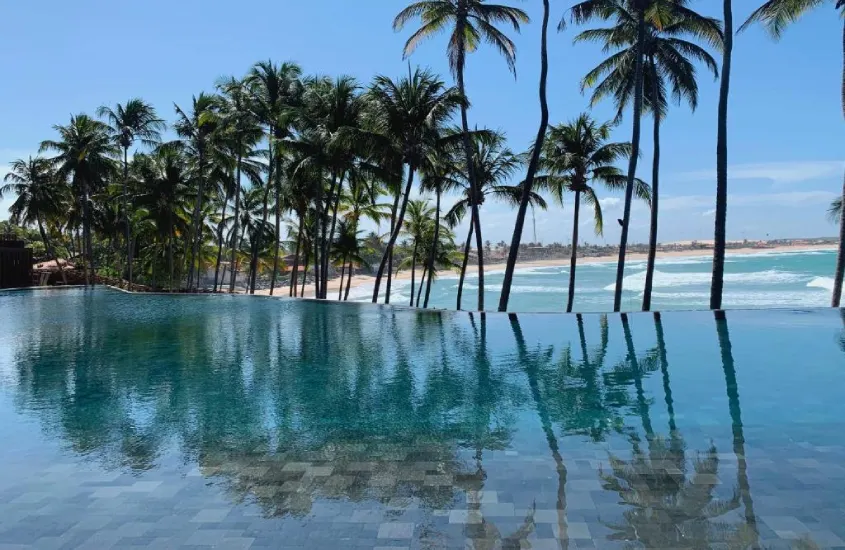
233 268
467 247
736 426
388 253
574 257
342 273
840 258
195 235
664 370
717 282
50 250
422 280
414 272
655 198
532 166
305 272
473 185
170 251
126 216
220 244
433 254
348 282
632 162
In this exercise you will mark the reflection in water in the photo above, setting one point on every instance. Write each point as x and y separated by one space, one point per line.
433 419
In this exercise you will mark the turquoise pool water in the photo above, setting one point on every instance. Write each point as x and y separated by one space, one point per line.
230 422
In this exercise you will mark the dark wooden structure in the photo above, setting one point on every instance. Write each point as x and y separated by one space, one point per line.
15 264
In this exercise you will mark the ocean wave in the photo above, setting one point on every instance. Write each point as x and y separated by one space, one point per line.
662 279
752 299
822 282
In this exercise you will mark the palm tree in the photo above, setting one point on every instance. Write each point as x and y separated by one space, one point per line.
834 212
471 21
717 281
407 118
135 120
419 228
576 154
85 153
163 178
239 122
775 15
493 165
528 185
41 196
668 62
196 128
276 90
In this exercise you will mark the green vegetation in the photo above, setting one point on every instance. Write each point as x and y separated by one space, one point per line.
278 151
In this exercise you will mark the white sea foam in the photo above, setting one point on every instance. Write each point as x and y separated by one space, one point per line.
822 282
773 298
662 279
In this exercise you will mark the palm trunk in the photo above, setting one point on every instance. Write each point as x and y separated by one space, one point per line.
433 254
342 273
642 402
305 272
170 251
664 370
237 220
413 272
294 276
388 253
278 238
574 256
632 161
532 166
389 277
348 282
737 427
840 259
419 291
195 235
334 201
126 216
50 250
86 237
470 164
717 282
655 198
467 247
257 248
316 243
220 243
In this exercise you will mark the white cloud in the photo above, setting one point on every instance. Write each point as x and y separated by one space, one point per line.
610 202
709 213
761 199
777 172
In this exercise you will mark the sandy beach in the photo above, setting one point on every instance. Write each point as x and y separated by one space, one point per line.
359 281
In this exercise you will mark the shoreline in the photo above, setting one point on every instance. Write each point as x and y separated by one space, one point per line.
361 281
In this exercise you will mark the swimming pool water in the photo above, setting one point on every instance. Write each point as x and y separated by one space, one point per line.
235 422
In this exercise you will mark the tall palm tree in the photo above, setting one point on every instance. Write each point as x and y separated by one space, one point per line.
669 58
471 22
85 155
493 164
238 121
276 91
408 117
717 281
775 15
163 178
575 155
41 196
528 185
134 120
196 128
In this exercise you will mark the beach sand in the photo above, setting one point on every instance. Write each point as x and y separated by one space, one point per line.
368 280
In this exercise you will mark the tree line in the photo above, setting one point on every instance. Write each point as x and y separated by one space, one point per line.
278 165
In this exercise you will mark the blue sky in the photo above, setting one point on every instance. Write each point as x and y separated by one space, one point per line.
786 127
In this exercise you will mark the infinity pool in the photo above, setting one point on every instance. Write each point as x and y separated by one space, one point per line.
230 422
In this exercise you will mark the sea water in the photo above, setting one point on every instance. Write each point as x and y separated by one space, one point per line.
761 280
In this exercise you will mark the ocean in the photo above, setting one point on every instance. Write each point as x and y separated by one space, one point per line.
763 280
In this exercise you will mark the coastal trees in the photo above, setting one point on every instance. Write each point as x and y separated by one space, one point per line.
85 156
575 155
134 120
471 22
41 196
775 15
407 119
